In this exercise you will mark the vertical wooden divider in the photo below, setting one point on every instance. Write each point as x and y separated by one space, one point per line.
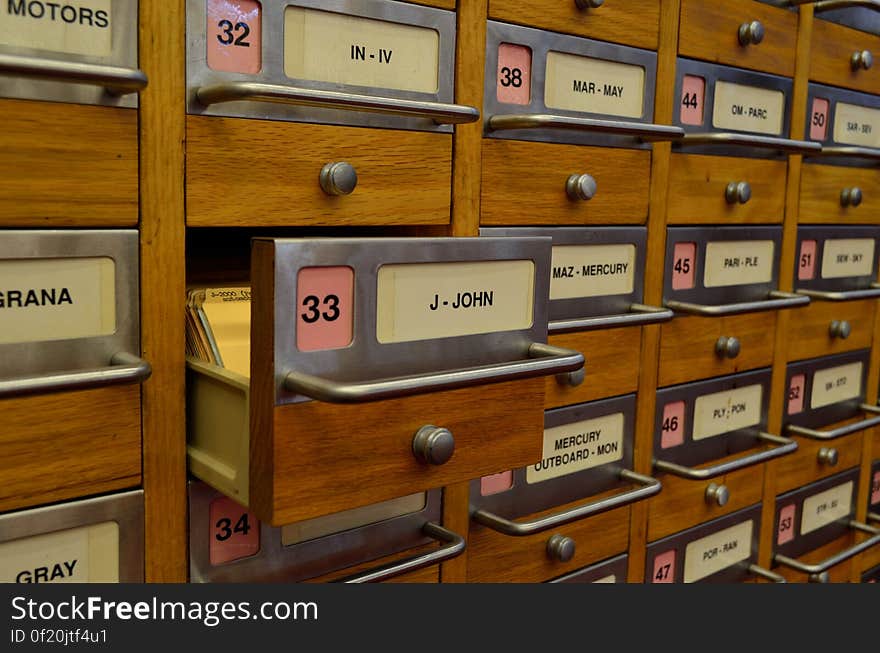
470 52
778 391
161 42
664 103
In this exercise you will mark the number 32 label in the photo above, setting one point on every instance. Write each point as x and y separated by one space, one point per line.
324 307
234 36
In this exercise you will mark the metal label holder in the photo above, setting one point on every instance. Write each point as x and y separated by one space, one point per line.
272 95
537 122
802 544
695 452
78 363
585 313
838 289
756 293
737 572
707 139
832 413
35 74
275 562
125 508
831 151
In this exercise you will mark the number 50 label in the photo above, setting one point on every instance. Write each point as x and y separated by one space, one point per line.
324 308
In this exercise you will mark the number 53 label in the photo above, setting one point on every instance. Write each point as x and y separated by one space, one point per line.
324 308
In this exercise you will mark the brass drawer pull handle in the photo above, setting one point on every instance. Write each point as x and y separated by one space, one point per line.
766 574
828 456
455 544
433 445
647 487
783 447
831 5
718 495
639 315
123 369
840 431
544 360
738 192
817 570
851 196
778 300
840 295
588 4
861 60
440 113
751 140
114 79
644 131
869 153
751 33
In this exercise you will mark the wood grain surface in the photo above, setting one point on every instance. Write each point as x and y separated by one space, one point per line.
832 47
68 165
821 186
69 444
404 178
631 22
709 31
697 185
524 184
808 333
803 467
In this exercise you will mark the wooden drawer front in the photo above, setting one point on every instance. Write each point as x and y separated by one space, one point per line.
831 49
332 457
72 165
404 178
496 558
710 31
809 335
803 466
632 22
687 346
682 503
821 187
612 365
441 4
837 574
524 184
697 185
64 445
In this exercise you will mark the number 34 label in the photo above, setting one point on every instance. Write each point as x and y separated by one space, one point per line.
235 532
324 308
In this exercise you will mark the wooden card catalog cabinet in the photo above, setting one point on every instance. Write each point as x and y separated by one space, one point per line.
587 450
229 544
69 78
69 371
814 515
613 570
723 550
697 423
556 91
378 368
827 390
266 80
97 540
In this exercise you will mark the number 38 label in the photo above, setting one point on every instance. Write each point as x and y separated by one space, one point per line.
514 73
234 36
324 308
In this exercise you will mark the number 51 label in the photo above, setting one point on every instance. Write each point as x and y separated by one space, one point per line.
324 307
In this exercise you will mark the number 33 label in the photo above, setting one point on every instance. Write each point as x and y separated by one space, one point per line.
324 307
